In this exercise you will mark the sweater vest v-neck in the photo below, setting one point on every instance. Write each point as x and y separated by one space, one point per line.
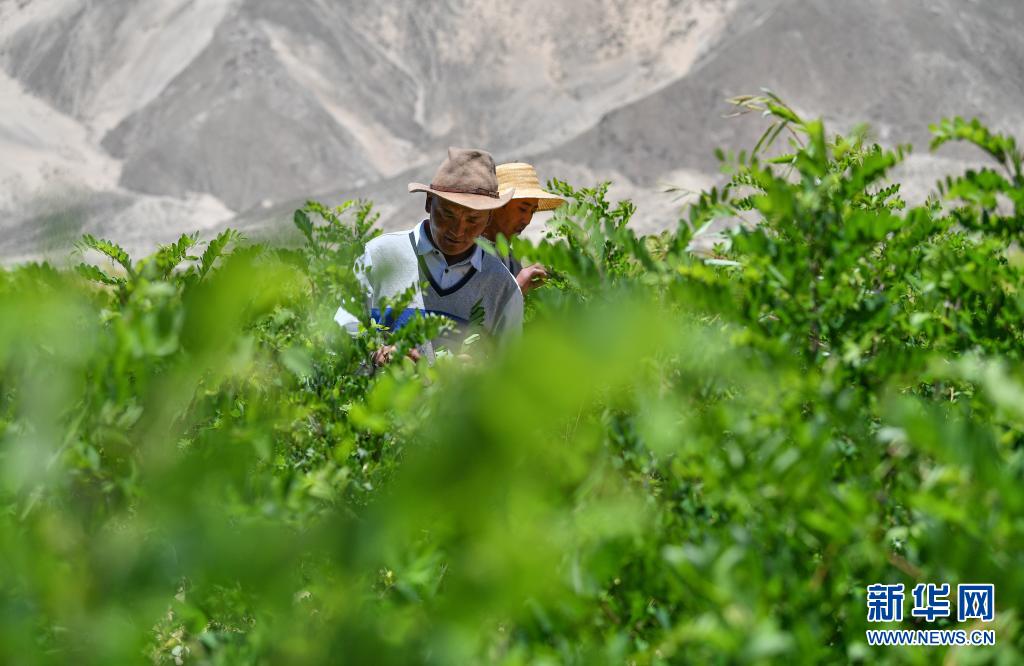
478 302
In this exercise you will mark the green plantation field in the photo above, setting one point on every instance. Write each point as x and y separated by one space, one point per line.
679 462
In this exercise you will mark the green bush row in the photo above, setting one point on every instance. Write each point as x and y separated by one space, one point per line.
682 461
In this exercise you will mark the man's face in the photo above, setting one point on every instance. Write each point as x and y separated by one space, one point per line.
513 218
455 228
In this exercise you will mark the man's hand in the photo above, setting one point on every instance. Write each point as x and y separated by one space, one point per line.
382 356
530 277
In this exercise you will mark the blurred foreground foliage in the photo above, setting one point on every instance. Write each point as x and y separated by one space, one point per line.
682 461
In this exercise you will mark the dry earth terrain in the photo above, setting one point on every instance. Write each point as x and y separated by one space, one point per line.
142 120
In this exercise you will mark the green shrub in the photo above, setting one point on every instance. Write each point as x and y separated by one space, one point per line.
679 462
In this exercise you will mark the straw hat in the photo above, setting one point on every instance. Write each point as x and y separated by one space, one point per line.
467 178
521 179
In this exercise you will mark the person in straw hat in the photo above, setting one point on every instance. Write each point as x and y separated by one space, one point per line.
528 198
441 253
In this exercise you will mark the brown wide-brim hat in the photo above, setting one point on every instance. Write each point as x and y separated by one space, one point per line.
467 178
521 178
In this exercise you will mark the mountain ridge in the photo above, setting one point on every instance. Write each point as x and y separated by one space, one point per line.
235 111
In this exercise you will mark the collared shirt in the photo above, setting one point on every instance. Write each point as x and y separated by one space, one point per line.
445 275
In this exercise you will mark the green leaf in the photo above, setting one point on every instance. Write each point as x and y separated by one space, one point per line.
111 250
215 250
93 273
304 224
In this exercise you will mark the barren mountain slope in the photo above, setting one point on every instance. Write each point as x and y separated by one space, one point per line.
181 114
250 100
898 65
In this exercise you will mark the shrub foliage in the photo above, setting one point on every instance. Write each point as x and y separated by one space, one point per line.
681 460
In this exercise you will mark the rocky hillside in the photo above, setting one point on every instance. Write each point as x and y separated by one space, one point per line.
144 120
899 64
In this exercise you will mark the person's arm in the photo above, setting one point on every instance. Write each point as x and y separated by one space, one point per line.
385 354
531 277
343 317
509 324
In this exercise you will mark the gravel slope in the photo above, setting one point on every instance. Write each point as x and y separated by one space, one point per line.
140 121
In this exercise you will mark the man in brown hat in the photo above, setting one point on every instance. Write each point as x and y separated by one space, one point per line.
528 198
461 281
